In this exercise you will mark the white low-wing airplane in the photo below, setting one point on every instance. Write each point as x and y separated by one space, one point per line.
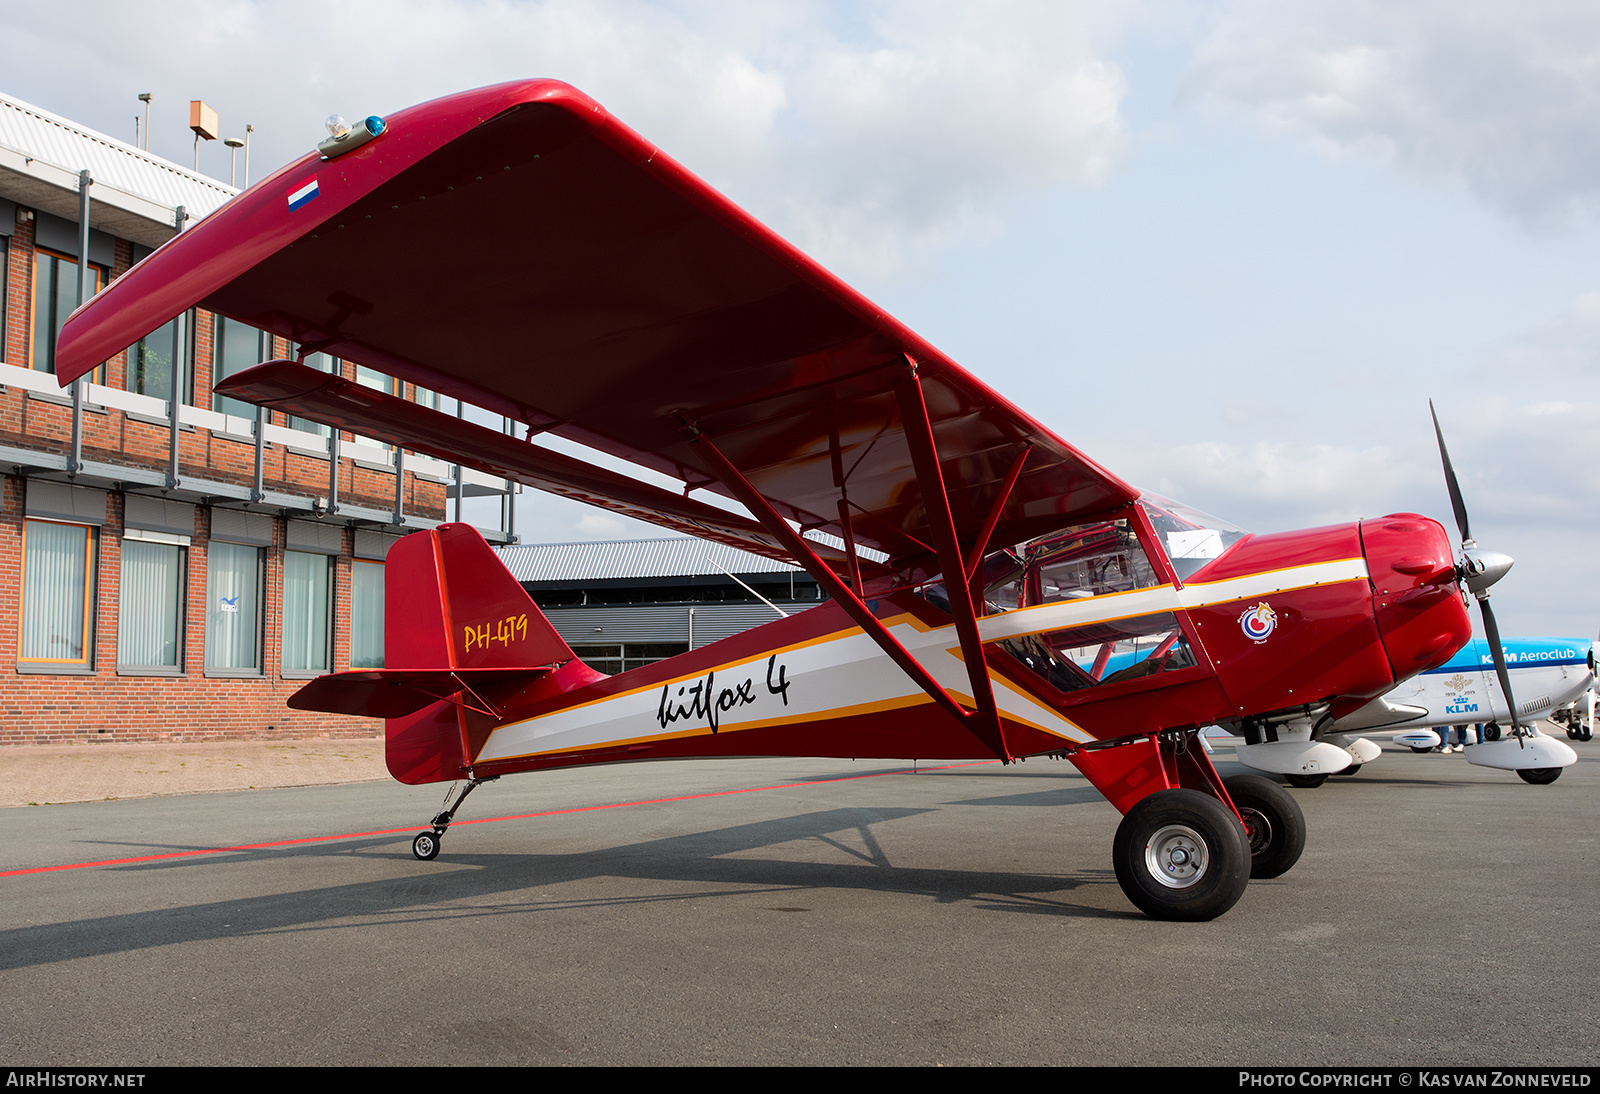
1547 675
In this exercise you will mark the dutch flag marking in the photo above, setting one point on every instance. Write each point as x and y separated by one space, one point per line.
302 195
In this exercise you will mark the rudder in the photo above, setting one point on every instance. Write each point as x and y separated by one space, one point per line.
451 603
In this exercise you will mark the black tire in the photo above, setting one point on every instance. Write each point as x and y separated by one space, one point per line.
1181 854
1539 776
1420 751
1572 734
1491 732
1306 782
1273 823
1585 733
1351 770
425 846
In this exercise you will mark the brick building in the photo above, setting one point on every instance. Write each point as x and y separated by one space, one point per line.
171 577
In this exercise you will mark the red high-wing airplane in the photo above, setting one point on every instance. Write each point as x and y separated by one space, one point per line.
997 593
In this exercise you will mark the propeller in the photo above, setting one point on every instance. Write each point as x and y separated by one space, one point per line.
1478 569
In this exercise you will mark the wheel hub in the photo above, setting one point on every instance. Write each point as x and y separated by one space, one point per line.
1257 827
1176 856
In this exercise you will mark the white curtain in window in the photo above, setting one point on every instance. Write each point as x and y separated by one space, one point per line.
147 625
54 573
366 615
233 606
305 612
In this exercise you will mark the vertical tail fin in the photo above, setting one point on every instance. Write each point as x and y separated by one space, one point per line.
451 603
457 627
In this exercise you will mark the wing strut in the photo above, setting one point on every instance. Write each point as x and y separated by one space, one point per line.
980 546
925 459
731 477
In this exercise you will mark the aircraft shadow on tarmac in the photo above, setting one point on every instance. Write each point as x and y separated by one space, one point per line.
1083 794
697 858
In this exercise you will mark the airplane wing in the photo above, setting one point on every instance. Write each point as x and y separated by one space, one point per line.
317 396
519 248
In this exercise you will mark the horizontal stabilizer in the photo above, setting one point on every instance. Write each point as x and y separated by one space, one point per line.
394 693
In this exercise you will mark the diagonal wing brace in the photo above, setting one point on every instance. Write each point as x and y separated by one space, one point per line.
983 722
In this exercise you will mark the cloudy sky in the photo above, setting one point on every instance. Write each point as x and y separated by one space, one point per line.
1227 249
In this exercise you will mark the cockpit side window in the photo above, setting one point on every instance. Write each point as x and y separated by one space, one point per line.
1104 653
1086 561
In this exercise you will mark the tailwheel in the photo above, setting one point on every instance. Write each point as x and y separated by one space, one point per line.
426 845
1306 782
1539 776
1273 821
1181 854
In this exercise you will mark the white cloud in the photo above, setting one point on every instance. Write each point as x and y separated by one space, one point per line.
1527 473
595 525
868 133
1498 97
1563 352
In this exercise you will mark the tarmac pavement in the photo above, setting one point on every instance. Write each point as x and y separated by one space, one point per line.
784 912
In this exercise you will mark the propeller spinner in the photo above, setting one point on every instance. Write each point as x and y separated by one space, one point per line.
1478 569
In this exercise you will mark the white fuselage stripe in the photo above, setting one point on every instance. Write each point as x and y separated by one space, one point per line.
848 673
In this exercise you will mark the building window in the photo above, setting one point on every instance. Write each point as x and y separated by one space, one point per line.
238 347
377 381
444 404
57 569
151 358
366 615
306 582
233 607
150 620
620 658
55 295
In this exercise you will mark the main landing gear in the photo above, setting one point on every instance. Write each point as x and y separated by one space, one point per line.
1273 822
1181 854
426 844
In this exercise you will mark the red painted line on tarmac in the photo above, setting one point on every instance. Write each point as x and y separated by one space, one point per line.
485 820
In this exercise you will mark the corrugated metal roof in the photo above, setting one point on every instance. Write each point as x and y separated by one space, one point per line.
48 151
680 556
624 623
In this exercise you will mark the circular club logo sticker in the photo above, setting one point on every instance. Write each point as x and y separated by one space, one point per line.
1258 622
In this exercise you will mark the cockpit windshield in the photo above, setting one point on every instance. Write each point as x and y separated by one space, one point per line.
1192 538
